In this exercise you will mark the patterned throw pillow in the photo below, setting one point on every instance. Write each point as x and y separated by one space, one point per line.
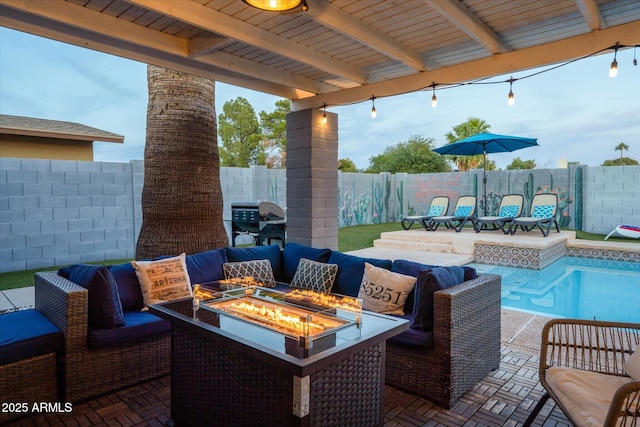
435 211
508 211
258 269
317 276
384 291
163 280
542 211
462 211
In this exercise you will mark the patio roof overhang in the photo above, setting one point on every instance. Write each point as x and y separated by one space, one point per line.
339 51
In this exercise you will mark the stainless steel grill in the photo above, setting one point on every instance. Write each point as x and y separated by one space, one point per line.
264 221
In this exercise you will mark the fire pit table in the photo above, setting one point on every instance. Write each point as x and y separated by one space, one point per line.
256 356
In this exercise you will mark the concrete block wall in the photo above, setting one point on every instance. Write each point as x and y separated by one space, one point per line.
612 197
55 212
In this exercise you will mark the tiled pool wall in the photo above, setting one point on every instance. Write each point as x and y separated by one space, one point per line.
605 254
512 256
539 258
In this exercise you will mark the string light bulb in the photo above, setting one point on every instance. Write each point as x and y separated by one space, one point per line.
635 61
434 99
324 114
613 70
512 99
373 107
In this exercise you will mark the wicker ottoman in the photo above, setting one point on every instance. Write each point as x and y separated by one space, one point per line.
29 348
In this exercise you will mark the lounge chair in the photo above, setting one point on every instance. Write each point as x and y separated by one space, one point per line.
438 206
464 211
510 208
543 214
591 369
625 231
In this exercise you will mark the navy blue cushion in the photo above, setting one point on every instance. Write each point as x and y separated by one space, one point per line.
105 309
26 334
270 252
140 325
128 286
409 268
413 338
206 266
428 282
291 257
351 270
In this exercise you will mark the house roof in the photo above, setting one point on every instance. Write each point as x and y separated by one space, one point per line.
339 51
29 126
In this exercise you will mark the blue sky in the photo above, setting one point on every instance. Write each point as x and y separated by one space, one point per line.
577 112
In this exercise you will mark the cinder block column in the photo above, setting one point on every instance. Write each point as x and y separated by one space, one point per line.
312 179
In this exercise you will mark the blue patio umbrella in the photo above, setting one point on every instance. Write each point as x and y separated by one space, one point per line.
484 143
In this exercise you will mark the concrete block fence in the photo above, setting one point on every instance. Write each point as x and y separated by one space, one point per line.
55 212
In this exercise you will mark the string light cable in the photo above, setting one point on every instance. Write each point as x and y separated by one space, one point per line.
487 81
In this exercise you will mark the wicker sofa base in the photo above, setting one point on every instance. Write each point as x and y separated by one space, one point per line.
91 372
28 381
467 344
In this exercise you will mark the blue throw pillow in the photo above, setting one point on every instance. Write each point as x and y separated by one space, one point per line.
206 266
128 286
435 211
508 211
542 211
428 282
105 309
409 268
351 270
462 211
293 252
270 252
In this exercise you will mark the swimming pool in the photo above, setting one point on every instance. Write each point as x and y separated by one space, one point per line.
580 288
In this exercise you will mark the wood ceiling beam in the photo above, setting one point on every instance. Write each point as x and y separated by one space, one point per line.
518 60
463 18
336 19
206 43
144 44
591 13
211 20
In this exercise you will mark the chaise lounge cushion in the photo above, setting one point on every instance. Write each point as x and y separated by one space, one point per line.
428 282
270 252
139 326
105 309
292 254
351 270
27 334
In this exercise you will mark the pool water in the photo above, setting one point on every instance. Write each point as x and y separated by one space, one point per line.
579 288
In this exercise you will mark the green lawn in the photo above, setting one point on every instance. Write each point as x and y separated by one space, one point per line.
349 239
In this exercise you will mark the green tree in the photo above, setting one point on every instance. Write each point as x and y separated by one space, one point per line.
518 163
623 161
472 126
415 155
347 165
239 132
274 134
622 147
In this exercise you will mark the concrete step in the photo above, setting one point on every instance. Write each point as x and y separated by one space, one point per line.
446 248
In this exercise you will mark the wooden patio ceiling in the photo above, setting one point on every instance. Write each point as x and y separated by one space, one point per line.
339 51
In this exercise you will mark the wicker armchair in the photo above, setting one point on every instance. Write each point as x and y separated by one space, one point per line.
596 350
91 372
466 348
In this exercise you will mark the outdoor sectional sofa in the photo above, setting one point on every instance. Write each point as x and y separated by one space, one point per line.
456 343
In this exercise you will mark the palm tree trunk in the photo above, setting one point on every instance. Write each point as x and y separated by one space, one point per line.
181 198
